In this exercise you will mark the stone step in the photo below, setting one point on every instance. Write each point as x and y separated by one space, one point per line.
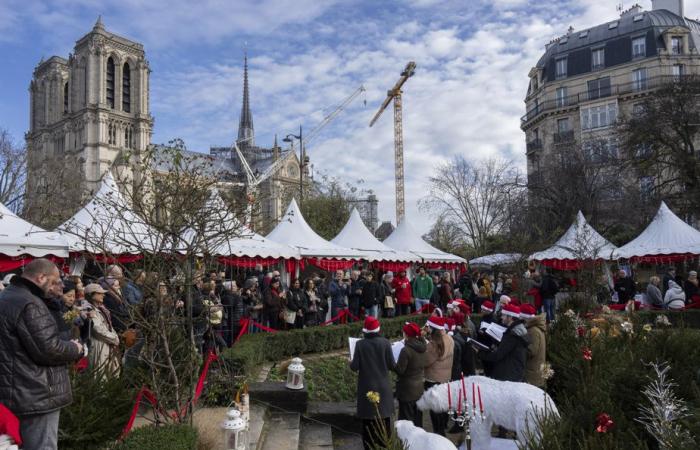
258 415
346 441
282 431
315 436
338 414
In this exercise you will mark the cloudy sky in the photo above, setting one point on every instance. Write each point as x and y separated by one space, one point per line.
305 57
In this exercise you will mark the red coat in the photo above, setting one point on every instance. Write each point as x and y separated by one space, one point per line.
404 291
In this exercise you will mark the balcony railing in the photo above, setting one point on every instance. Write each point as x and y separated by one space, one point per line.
564 137
534 145
593 94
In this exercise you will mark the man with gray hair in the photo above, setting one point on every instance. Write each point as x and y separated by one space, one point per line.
34 381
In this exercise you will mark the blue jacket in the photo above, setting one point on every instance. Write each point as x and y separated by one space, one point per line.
338 293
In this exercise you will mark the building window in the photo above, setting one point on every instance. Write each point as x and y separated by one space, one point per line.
560 71
561 97
677 71
599 116
613 25
600 150
563 125
126 88
598 58
639 79
639 47
65 97
676 45
110 82
599 88
112 135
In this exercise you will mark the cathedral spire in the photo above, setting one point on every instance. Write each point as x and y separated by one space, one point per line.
246 132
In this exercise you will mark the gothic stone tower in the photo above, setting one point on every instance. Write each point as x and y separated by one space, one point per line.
85 113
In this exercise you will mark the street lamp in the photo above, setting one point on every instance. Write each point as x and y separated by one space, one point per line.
302 163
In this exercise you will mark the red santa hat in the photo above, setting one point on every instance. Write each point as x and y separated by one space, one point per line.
411 329
450 324
371 325
435 322
527 311
466 309
511 310
487 306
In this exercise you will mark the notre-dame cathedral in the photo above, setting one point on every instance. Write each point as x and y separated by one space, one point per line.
87 110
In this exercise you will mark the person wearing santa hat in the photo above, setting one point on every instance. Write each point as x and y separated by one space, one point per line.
438 369
451 328
373 360
410 369
537 349
509 358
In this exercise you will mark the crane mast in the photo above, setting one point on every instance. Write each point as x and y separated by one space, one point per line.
395 95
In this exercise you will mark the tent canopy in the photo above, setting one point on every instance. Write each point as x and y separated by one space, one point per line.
667 234
356 236
404 238
19 237
580 242
108 225
497 259
295 232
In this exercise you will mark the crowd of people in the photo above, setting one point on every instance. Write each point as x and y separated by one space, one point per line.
446 348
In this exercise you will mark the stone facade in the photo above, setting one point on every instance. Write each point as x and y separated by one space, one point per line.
587 79
85 111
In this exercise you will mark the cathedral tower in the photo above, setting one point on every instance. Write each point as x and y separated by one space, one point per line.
246 132
85 112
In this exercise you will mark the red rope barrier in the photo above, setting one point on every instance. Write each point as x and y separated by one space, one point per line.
340 315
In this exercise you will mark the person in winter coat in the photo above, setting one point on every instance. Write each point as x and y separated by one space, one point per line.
654 296
410 369
548 291
373 360
295 306
314 311
422 288
104 340
468 353
624 286
459 344
357 282
509 358
388 295
438 365
338 290
692 292
403 293
371 296
537 348
272 304
675 297
435 295
34 382
446 290
235 309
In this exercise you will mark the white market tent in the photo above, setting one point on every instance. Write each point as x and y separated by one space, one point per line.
496 259
581 242
665 239
19 237
404 238
108 225
356 236
296 233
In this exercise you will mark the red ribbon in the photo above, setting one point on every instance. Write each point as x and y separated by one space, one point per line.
150 396
343 313
245 324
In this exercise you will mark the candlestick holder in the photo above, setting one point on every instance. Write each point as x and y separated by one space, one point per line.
463 417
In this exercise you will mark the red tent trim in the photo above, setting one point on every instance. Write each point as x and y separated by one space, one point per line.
10 263
394 266
247 261
330 265
663 259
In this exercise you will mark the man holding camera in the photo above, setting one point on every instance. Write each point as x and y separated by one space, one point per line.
338 289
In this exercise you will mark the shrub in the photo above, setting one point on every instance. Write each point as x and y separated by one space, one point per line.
101 406
171 437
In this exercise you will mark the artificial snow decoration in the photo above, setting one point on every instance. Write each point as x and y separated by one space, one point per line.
662 416
416 438
514 406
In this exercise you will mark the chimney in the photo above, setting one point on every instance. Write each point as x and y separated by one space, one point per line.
634 10
674 6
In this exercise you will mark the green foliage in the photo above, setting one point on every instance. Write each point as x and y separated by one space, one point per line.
327 379
252 350
171 437
101 406
611 382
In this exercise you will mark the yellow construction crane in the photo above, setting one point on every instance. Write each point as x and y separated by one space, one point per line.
395 95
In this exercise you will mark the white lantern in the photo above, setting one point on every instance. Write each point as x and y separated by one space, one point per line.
295 374
235 431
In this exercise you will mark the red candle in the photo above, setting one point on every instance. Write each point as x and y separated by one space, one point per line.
473 397
449 397
459 403
466 400
481 405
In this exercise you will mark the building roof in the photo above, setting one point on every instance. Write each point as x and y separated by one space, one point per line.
656 20
19 237
213 166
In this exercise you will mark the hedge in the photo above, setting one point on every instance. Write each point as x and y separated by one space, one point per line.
254 349
680 319
171 437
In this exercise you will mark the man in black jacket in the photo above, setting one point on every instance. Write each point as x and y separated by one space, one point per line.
548 290
509 358
34 381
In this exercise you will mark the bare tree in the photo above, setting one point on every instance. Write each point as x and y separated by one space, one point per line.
473 196
448 237
169 212
13 172
659 141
